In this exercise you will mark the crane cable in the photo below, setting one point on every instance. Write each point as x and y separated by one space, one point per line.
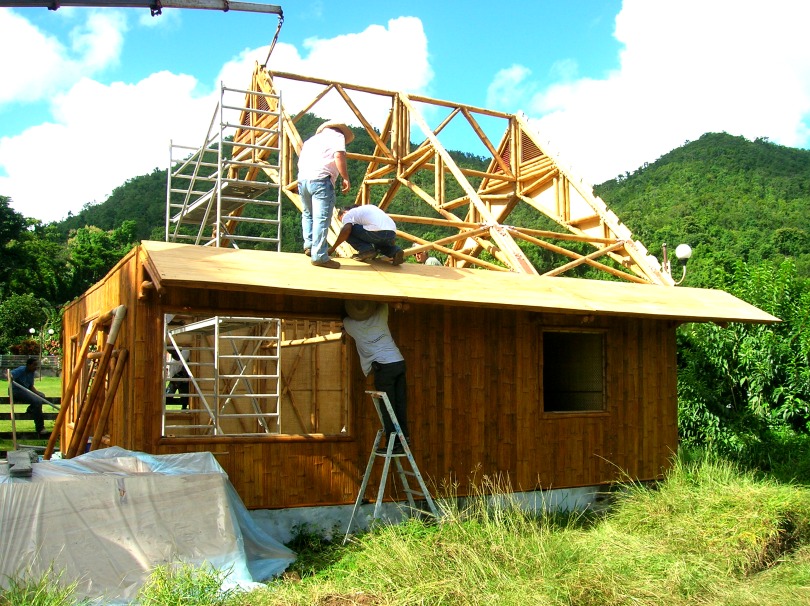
275 39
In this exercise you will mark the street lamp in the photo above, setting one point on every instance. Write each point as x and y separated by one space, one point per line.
683 252
33 331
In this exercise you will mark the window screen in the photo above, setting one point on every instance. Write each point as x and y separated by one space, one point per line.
573 371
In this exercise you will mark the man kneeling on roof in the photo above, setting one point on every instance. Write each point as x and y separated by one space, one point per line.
370 231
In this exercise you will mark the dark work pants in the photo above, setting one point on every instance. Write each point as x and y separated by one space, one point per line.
34 408
390 378
177 386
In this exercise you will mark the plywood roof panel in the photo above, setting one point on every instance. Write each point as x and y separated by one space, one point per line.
185 265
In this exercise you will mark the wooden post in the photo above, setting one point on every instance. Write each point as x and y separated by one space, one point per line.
11 408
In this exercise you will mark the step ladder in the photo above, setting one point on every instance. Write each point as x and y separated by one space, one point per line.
380 399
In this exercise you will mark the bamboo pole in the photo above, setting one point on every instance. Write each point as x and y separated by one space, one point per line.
82 428
113 387
71 386
336 336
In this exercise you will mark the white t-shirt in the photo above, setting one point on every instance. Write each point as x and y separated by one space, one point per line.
373 339
371 217
173 366
317 159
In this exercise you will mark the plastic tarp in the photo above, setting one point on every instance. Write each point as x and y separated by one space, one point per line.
107 518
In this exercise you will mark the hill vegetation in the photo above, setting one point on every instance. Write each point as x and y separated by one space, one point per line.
731 199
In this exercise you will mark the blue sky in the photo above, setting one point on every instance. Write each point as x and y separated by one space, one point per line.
92 97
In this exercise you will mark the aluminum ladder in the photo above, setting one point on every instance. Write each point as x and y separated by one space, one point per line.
380 399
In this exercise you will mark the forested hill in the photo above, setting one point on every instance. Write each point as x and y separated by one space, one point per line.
729 198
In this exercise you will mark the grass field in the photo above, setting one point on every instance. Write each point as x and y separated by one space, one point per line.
52 388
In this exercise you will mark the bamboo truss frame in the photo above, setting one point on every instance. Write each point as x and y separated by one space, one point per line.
520 170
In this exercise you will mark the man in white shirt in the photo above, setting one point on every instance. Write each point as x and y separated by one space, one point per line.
367 324
322 159
423 257
370 231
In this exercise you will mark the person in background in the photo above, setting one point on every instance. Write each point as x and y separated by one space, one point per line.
178 376
367 324
23 376
322 159
370 231
423 257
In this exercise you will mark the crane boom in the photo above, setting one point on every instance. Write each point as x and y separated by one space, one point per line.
153 5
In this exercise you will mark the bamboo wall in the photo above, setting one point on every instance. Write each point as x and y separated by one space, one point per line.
474 378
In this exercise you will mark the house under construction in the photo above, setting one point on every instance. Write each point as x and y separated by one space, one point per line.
513 369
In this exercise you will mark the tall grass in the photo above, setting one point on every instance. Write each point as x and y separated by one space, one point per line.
710 533
43 590
183 584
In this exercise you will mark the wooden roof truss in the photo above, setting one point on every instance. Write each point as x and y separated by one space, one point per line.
477 227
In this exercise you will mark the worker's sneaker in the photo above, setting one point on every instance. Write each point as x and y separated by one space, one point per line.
44 432
331 264
399 257
308 252
365 255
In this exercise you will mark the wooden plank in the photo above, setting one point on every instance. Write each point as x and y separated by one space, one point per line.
184 266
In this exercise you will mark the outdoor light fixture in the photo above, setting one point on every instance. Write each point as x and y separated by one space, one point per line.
32 332
683 252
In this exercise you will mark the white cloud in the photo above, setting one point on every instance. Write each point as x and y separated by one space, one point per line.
687 68
36 64
511 87
388 58
94 146
101 135
98 42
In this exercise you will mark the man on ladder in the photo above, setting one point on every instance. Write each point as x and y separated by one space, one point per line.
367 324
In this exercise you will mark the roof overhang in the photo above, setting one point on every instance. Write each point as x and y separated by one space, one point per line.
174 265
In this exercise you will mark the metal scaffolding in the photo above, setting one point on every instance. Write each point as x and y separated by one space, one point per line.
226 191
231 378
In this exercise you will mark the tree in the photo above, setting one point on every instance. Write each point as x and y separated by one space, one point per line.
12 225
18 313
746 378
93 252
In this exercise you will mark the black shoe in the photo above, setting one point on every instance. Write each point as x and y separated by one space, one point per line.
366 255
399 257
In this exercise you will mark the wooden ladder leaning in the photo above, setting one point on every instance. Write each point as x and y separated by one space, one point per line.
380 399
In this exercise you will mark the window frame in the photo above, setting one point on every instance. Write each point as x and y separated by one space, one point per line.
339 360
560 411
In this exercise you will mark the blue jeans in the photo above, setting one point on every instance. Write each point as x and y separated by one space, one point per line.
381 241
318 204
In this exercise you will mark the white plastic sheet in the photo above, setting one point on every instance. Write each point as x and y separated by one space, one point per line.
107 518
